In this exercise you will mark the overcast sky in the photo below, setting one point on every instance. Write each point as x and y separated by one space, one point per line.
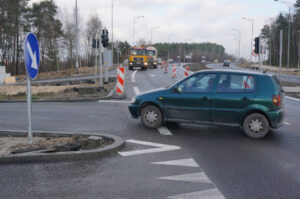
189 20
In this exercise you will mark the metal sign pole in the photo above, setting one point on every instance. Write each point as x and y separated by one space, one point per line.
29 110
96 57
106 67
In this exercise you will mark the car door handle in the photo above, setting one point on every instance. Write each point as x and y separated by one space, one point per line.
244 99
205 98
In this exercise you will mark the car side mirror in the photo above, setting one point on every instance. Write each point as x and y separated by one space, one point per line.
176 90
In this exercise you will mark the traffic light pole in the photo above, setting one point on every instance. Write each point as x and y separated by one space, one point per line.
259 54
106 66
100 58
96 58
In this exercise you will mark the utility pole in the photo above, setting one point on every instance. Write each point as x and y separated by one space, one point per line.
252 23
136 17
112 31
299 51
169 44
280 56
239 53
76 21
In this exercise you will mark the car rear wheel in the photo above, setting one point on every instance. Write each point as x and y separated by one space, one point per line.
256 125
151 116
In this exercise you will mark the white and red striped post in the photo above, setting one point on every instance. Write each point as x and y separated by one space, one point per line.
187 71
120 80
174 71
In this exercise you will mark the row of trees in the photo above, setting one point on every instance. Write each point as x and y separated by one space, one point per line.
211 51
271 33
55 30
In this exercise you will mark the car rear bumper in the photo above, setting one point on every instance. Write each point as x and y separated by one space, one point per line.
134 110
276 118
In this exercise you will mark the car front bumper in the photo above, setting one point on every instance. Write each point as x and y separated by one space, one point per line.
134 110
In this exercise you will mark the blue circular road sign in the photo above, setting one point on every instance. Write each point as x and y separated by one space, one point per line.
32 55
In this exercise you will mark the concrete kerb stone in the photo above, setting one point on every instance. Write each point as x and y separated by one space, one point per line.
117 145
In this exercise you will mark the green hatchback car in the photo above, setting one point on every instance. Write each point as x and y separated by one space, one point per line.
251 100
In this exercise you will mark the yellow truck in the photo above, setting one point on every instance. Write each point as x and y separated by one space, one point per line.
138 58
152 56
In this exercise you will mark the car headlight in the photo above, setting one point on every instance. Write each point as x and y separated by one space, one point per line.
130 63
132 101
154 62
145 63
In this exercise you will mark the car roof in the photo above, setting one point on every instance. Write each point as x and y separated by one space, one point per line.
234 71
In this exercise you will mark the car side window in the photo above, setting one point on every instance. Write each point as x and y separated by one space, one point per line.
235 83
197 84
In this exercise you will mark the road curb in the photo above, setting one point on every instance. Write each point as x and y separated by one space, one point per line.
112 149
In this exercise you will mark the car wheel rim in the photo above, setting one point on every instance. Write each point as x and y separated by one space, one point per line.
151 117
255 125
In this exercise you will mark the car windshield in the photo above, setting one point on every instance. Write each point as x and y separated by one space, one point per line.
138 51
151 52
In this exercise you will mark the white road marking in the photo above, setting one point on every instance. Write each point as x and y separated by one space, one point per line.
164 130
133 76
190 162
161 148
298 100
152 75
136 90
287 123
204 194
191 177
113 101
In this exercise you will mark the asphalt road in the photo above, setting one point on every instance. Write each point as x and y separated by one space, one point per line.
205 160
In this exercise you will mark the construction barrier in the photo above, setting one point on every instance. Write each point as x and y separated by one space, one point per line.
187 71
174 71
121 80
166 67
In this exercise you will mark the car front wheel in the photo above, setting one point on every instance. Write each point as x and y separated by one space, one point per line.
256 125
151 116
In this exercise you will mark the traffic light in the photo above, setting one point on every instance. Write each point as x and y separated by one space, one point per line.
256 45
104 38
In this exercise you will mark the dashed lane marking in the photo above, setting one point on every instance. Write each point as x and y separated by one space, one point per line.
133 76
205 194
190 162
298 100
190 177
287 123
160 148
113 101
152 75
164 130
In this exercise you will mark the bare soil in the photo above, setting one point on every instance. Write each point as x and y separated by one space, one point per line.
66 92
82 71
197 66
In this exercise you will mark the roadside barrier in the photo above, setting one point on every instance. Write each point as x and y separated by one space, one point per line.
174 71
187 71
121 80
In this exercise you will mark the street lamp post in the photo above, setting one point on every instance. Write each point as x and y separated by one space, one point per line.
239 31
289 30
169 44
299 51
134 18
152 28
184 49
112 31
76 36
252 22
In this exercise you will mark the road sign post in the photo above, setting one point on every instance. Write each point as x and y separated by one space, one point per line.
32 60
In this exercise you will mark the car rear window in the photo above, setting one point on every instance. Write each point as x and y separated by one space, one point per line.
236 83
277 83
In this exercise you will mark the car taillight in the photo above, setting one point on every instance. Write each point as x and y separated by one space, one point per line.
276 99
